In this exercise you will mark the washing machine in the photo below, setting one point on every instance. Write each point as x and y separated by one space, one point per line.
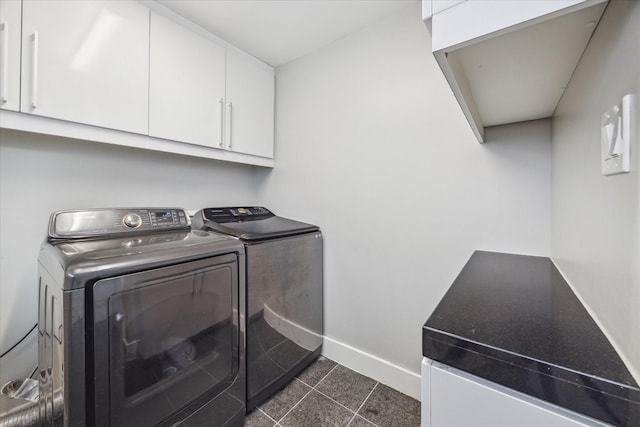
284 293
140 321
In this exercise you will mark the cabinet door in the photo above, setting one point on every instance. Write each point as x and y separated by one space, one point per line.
87 62
250 106
10 22
186 85
487 404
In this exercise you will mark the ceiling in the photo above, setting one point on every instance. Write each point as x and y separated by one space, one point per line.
279 31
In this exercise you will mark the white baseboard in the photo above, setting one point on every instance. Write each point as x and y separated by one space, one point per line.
387 373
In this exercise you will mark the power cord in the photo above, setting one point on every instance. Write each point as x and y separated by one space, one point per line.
19 342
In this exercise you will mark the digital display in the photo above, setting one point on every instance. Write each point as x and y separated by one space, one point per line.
241 211
236 214
164 217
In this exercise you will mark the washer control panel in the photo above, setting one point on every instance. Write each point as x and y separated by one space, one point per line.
236 214
103 222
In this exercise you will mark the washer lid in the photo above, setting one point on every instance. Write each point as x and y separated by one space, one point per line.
249 223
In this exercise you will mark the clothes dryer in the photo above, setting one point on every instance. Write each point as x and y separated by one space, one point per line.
140 321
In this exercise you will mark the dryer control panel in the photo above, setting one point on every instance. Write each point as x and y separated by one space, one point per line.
80 224
236 214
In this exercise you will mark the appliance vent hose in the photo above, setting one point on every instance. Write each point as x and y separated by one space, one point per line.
24 417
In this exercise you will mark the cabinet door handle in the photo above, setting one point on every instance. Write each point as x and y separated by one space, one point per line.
5 59
229 123
34 79
221 105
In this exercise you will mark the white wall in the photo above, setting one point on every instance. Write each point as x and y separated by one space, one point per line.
596 219
372 146
40 174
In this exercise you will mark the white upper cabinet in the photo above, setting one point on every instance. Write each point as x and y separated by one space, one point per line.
86 62
509 61
132 73
10 21
186 86
249 106
204 94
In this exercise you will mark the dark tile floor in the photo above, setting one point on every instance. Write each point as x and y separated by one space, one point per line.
328 394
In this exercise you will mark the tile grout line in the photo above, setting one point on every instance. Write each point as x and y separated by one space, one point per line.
329 397
311 388
355 413
297 403
267 415
327 374
321 379
319 392
362 404
314 388
333 400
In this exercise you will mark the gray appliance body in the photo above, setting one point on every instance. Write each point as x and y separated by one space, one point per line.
140 321
284 282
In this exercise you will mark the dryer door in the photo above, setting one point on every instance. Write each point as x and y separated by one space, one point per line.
165 339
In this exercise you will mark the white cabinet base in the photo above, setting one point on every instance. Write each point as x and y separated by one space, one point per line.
452 398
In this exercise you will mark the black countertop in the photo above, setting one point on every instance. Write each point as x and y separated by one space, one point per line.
513 320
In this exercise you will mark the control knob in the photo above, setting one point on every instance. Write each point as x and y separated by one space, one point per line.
132 220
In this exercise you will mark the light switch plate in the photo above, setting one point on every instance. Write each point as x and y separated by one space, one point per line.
616 136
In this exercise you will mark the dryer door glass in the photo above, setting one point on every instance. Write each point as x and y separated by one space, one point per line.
173 338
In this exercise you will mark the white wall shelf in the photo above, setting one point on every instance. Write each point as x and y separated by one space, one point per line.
509 61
